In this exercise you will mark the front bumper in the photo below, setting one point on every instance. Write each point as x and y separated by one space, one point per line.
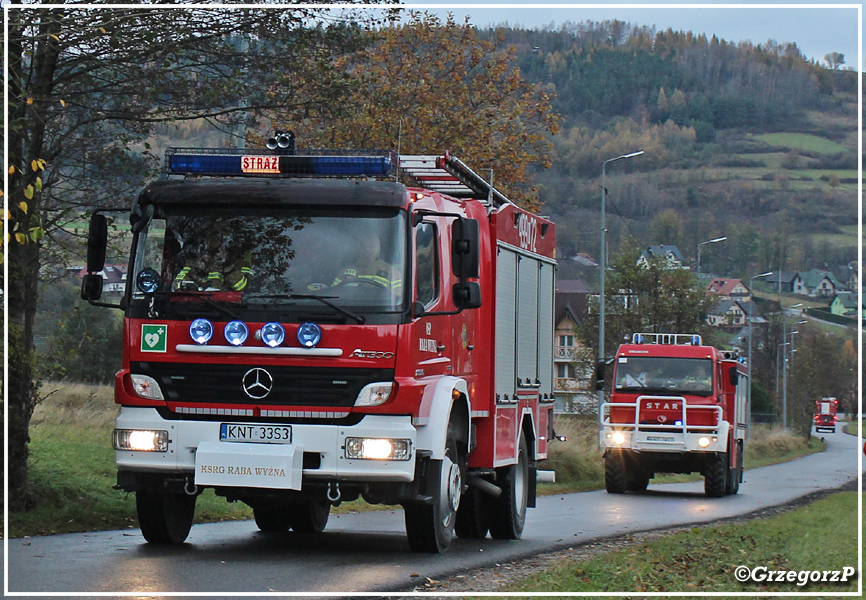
669 440
317 452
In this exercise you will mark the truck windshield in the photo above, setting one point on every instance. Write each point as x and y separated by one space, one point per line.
664 375
353 260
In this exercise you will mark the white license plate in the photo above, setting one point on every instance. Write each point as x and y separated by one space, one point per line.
659 438
257 434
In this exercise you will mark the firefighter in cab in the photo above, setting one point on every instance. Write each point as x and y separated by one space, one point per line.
219 266
367 267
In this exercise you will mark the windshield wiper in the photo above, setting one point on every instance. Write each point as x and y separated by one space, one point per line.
323 299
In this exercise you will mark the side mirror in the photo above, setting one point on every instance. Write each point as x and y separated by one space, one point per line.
734 376
97 241
91 287
466 294
464 248
417 310
599 374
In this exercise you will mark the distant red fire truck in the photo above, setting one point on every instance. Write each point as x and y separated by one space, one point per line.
301 329
676 406
825 414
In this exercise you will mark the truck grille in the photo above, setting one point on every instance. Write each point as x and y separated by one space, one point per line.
292 386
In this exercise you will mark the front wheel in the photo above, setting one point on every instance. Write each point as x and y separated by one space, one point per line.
716 475
615 475
430 526
509 510
164 518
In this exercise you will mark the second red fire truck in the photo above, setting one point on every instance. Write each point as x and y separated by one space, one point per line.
825 414
301 329
676 406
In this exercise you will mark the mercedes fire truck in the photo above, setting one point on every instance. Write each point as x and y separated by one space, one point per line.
676 406
308 328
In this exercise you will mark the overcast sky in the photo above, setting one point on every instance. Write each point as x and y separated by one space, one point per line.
816 28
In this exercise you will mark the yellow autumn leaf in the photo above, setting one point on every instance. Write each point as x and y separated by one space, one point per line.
11 169
30 100
23 206
20 238
34 165
63 103
55 37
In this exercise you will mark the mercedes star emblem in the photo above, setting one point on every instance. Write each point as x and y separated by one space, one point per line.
257 383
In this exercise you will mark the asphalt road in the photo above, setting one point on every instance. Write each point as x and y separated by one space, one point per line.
368 552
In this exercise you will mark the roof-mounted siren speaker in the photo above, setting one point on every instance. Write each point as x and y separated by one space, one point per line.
282 141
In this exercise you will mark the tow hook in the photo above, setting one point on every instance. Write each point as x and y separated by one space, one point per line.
334 491
190 492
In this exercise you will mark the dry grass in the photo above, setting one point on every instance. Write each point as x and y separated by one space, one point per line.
80 404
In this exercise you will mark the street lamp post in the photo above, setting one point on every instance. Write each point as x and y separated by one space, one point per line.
749 356
601 270
785 367
785 371
713 241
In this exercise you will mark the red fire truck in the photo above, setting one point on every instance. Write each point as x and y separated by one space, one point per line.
825 414
301 329
676 406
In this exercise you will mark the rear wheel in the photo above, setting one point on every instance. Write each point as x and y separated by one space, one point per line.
472 516
272 519
509 510
716 475
430 527
735 474
310 516
615 481
164 518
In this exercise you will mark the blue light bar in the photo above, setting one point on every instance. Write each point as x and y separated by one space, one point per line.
184 161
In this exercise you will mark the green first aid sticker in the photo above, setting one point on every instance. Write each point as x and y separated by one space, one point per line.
154 338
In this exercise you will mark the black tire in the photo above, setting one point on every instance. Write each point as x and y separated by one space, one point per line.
638 483
615 476
430 527
735 474
509 510
716 475
311 516
273 519
472 516
164 518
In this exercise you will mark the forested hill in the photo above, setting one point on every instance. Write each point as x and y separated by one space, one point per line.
699 107
612 68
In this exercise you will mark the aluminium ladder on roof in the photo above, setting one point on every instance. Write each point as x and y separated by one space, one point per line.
449 175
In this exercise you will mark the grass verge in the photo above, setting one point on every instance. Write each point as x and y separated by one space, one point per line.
72 468
818 537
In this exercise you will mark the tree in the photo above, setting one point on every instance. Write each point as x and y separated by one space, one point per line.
86 87
823 365
651 298
834 59
425 87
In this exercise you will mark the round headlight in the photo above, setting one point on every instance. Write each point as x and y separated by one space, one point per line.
309 335
703 441
618 438
273 334
236 332
147 281
201 330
